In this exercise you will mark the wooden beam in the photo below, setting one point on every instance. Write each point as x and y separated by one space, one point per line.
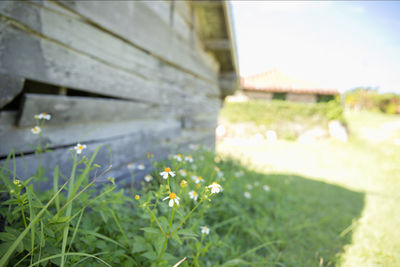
218 44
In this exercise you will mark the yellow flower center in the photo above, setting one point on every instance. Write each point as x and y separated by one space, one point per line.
80 147
137 197
178 155
172 196
44 114
200 178
189 157
198 185
183 183
16 182
194 193
167 169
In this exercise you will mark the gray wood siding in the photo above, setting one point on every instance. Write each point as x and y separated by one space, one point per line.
160 87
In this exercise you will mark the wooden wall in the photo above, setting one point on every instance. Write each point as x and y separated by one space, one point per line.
130 75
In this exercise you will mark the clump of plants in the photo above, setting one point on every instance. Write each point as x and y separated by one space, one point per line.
185 213
288 119
371 99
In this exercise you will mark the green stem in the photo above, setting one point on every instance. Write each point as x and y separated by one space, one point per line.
187 217
158 223
120 228
69 210
198 251
23 217
169 233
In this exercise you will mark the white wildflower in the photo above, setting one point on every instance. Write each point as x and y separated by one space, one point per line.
205 230
167 172
193 195
215 188
79 148
173 199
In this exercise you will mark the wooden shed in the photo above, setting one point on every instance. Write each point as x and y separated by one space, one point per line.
133 76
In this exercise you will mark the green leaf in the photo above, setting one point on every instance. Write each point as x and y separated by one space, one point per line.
151 230
176 237
158 243
7 237
151 255
187 232
139 244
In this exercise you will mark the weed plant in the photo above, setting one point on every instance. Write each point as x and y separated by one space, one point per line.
177 217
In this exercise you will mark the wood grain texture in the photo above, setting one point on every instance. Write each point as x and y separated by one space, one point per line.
21 138
124 149
130 20
66 57
77 110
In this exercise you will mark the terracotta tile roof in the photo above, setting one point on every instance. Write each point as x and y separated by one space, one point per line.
275 81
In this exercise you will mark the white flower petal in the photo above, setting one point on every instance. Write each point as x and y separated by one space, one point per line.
165 198
171 203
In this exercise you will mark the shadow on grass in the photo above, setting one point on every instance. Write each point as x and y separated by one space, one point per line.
314 218
304 221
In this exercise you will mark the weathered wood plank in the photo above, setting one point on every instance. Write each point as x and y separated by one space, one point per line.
201 121
124 150
130 20
69 109
10 87
73 110
166 11
21 138
103 48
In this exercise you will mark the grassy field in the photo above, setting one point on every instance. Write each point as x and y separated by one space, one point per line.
335 204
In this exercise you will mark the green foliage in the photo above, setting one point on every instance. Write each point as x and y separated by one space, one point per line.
284 117
370 99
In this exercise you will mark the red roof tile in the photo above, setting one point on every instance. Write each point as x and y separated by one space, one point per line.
275 81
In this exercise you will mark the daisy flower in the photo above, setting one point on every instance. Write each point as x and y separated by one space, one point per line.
131 166
266 188
167 171
43 116
36 130
141 167
79 148
183 183
148 178
178 157
193 195
215 188
247 195
189 158
205 230
198 179
182 172
173 199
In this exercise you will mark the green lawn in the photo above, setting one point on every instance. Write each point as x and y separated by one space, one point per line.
333 203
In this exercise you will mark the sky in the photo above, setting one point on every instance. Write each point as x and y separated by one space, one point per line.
337 44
